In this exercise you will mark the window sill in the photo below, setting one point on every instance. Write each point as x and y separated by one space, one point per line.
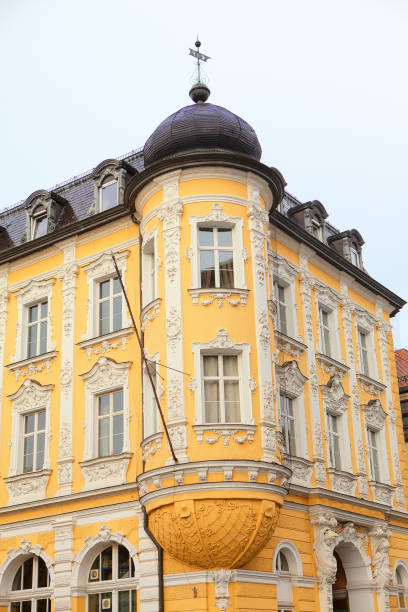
103 472
371 386
342 482
289 345
232 296
302 469
27 487
149 312
212 432
105 343
332 366
382 493
151 444
32 365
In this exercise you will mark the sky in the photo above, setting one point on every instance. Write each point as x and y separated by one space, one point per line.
323 83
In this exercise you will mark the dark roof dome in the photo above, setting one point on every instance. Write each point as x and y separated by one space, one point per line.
201 126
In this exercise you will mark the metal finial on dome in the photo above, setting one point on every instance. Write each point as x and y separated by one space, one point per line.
199 92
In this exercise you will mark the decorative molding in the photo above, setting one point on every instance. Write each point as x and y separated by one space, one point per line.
106 373
326 295
264 333
380 536
105 471
151 445
173 328
302 469
27 487
369 385
335 399
290 379
212 433
374 414
33 365
382 493
364 318
343 482
289 345
331 366
282 268
234 297
150 312
106 343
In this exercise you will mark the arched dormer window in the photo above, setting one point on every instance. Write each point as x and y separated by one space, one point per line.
311 216
348 244
43 211
38 222
30 590
110 178
111 581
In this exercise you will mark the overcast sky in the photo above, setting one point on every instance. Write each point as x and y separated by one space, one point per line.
323 82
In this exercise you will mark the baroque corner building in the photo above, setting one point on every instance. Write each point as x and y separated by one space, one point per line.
271 352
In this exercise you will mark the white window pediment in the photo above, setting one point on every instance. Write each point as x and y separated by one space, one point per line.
335 398
326 296
291 379
375 415
106 374
282 268
364 319
31 396
99 269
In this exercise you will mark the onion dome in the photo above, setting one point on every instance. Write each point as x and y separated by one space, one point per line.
199 127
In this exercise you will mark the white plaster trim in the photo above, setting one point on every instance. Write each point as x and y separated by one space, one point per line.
106 342
150 312
14 559
234 297
32 365
289 345
237 575
371 386
331 365
27 487
238 432
104 472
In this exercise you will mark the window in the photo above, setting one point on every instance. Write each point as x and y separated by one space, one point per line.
109 581
363 352
324 331
288 425
110 423
282 564
216 257
108 194
31 583
373 452
221 389
34 441
149 272
333 441
400 583
316 229
39 222
109 306
151 418
279 292
355 257
37 329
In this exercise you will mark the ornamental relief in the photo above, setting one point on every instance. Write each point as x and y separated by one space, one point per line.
173 328
325 295
106 373
282 268
335 398
290 379
374 414
211 434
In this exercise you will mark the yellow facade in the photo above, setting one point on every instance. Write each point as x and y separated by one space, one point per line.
241 521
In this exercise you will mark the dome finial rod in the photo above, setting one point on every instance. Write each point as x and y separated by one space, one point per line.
200 57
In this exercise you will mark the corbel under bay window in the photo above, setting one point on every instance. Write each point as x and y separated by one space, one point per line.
29 458
107 313
217 255
223 384
106 454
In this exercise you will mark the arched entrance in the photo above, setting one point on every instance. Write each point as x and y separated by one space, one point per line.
353 588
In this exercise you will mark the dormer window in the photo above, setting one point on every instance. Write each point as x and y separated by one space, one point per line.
348 244
311 216
316 229
355 257
38 222
108 195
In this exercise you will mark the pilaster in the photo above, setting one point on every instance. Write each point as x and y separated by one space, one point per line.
63 530
149 570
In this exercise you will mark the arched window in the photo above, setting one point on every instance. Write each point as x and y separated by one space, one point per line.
38 222
111 581
287 565
401 582
282 564
108 193
30 588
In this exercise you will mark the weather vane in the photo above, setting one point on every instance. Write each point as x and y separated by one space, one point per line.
200 57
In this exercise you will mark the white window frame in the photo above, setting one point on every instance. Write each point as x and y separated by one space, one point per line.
284 272
316 229
286 581
151 417
102 186
30 397
223 345
374 417
99 269
355 257
371 354
221 378
286 418
371 449
217 219
401 589
30 294
110 415
328 300
281 304
150 267
39 213
34 434
98 300
37 323
34 594
291 385
330 435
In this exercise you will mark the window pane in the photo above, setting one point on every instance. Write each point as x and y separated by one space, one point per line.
104 322
283 565
29 423
224 237
28 574
40 451
211 395
106 564
42 574
28 461
123 601
43 337
117 433
94 571
230 365
103 437
326 341
40 227
17 581
44 309
15 606
32 341
134 599
118 400
226 269
206 236
104 289
93 603
42 605
103 404
231 400
33 314
292 437
123 562
41 420
207 269
337 459
26 606
210 365
116 286
106 601
109 196
117 313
